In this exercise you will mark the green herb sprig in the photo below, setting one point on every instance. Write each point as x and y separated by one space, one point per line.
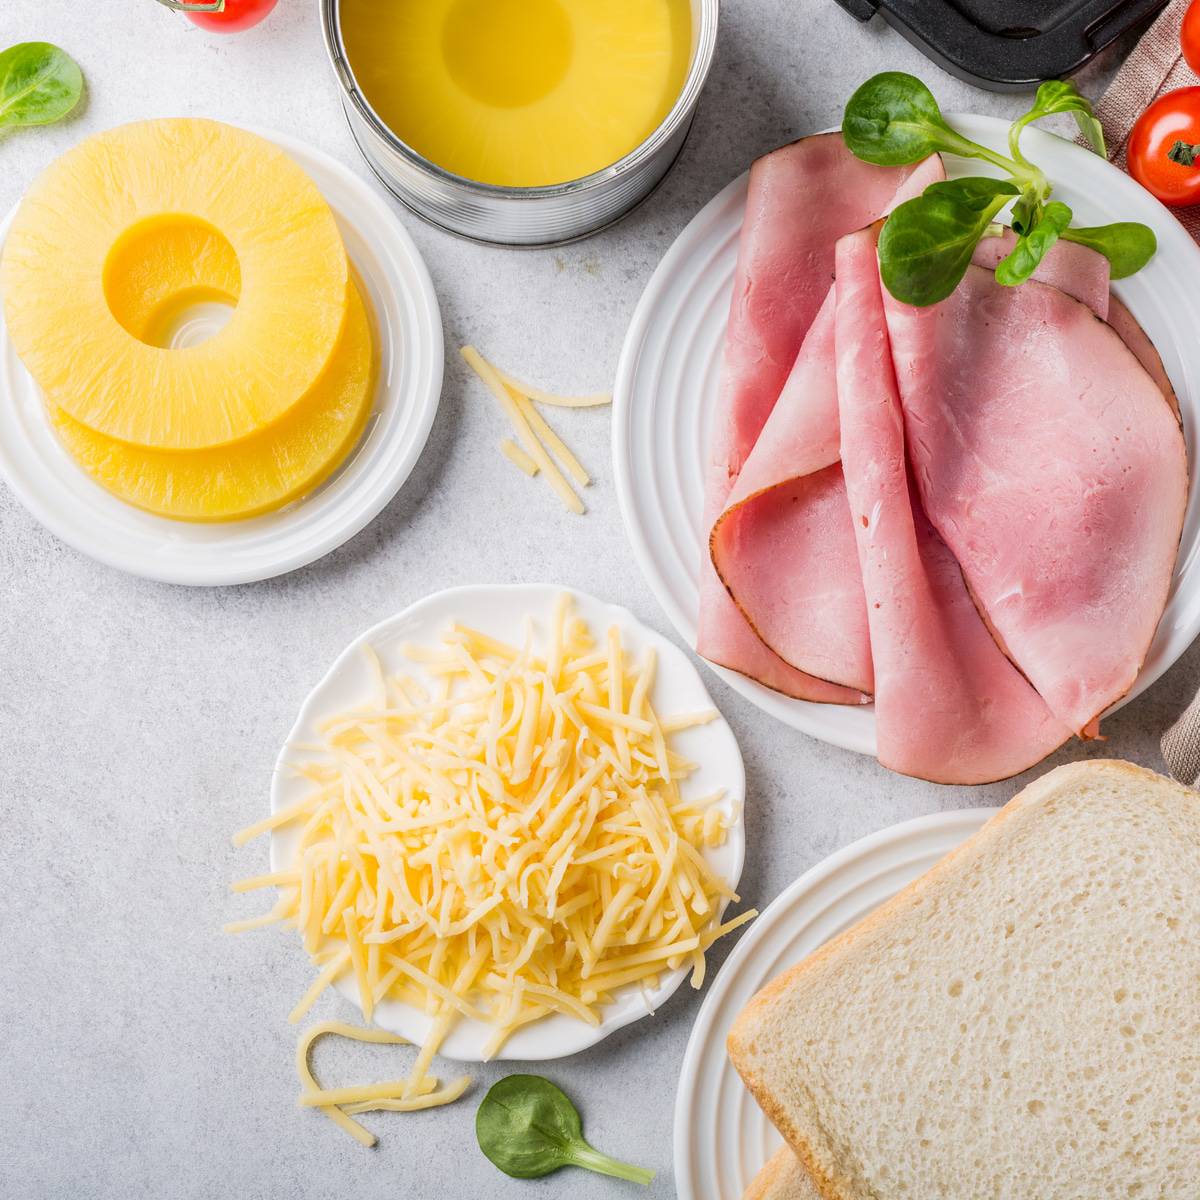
39 84
529 1128
926 244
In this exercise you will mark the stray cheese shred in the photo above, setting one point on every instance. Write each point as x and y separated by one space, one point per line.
504 843
538 438
598 400
518 457
399 1096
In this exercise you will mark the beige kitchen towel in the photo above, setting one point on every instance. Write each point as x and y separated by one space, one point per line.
1181 746
1154 66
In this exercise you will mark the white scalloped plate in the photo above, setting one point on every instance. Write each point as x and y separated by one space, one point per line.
721 1135
501 611
666 394
408 332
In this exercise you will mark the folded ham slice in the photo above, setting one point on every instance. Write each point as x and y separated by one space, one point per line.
1050 465
779 533
784 544
949 707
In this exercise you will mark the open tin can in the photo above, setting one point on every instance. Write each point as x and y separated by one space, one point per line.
522 216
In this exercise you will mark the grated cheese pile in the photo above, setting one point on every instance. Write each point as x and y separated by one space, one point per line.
535 434
510 845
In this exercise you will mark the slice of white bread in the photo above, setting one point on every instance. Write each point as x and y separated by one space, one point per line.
1021 1023
783 1178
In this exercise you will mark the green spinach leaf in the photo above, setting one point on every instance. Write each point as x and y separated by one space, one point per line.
893 119
926 244
975 192
39 84
1024 212
1062 96
1128 245
1032 245
528 1128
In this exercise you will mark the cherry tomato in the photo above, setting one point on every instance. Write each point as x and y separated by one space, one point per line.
1189 36
1171 119
231 17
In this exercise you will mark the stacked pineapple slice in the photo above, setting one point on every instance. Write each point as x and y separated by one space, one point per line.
133 228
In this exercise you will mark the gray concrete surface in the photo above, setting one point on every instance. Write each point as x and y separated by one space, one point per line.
143 1053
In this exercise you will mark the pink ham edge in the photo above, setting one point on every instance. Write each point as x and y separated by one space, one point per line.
801 199
1144 350
781 510
949 707
1046 459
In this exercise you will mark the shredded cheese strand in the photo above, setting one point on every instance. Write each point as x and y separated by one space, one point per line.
518 457
446 1095
596 400
551 440
529 439
394 1096
328 974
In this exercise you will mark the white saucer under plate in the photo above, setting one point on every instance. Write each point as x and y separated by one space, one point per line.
721 1135
501 611
408 331
666 395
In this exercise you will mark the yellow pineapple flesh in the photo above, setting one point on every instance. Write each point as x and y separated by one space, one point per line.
173 265
262 472
84 226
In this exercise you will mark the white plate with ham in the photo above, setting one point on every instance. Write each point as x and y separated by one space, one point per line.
948 543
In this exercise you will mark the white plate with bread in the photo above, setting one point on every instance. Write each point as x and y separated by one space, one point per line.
1020 1021
722 1138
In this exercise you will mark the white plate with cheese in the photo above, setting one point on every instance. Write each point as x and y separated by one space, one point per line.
722 1138
510 614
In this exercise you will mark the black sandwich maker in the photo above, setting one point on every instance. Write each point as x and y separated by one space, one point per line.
1008 45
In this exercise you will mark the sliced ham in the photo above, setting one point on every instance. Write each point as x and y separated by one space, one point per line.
1050 465
779 534
949 707
970 511
784 545
782 512
1071 268
1144 350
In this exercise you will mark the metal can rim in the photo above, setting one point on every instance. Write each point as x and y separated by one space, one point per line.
680 114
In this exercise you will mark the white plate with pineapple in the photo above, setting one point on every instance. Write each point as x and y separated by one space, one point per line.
407 335
518 616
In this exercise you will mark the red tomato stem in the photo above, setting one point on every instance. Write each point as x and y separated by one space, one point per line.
1184 154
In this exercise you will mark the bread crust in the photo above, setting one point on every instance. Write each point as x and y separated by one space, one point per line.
772 1176
761 1185
756 1013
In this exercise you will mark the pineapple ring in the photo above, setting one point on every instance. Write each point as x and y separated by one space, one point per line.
161 278
61 265
258 473
151 279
